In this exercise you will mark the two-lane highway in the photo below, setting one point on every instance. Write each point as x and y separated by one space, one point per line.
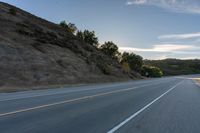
163 105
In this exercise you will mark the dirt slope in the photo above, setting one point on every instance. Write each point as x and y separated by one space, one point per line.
35 52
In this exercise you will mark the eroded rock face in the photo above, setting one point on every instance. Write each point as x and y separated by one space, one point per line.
36 52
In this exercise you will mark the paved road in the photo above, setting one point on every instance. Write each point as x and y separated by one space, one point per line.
166 105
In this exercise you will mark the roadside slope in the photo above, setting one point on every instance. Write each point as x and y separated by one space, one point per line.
35 52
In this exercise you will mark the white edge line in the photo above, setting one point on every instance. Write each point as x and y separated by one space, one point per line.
141 110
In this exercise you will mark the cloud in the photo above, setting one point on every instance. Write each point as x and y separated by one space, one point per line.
137 2
161 48
181 6
180 36
164 51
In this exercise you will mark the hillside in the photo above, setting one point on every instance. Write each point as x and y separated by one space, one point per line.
176 66
35 52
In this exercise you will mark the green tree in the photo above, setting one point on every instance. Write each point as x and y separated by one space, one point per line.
72 28
88 37
80 35
109 48
64 24
69 27
135 61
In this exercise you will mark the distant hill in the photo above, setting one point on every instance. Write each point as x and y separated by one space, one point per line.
176 66
35 52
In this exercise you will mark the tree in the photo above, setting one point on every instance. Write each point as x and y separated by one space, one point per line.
69 27
80 35
151 71
64 24
109 48
135 61
88 37
72 28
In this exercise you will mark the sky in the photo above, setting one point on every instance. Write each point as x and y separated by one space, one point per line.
154 29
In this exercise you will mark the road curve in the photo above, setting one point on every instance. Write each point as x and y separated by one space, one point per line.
165 105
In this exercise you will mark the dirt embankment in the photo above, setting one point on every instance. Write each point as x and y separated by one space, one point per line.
35 52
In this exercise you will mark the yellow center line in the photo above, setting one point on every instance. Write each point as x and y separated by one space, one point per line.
71 100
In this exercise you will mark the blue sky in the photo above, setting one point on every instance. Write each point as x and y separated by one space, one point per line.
155 29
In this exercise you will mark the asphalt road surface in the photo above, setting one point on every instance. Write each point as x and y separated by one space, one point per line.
165 105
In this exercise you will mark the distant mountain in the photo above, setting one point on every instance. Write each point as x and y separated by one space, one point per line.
35 52
176 66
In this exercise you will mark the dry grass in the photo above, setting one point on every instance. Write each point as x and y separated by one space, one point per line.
35 52
197 80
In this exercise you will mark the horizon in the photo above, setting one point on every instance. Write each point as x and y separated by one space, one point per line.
152 29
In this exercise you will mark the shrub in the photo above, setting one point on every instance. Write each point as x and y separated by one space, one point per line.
126 67
105 68
13 11
151 71
100 61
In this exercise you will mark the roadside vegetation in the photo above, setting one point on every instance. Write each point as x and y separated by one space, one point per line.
13 11
130 62
88 37
197 80
151 71
69 27
176 66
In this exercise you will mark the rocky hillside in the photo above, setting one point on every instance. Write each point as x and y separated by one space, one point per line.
35 52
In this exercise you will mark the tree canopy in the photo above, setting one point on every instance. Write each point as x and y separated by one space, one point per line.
129 61
109 48
68 26
88 37
135 61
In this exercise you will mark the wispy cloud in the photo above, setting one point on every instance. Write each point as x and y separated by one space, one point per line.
181 36
164 51
137 2
161 48
182 6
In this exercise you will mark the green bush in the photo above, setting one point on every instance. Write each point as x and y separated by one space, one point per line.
151 71
13 11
